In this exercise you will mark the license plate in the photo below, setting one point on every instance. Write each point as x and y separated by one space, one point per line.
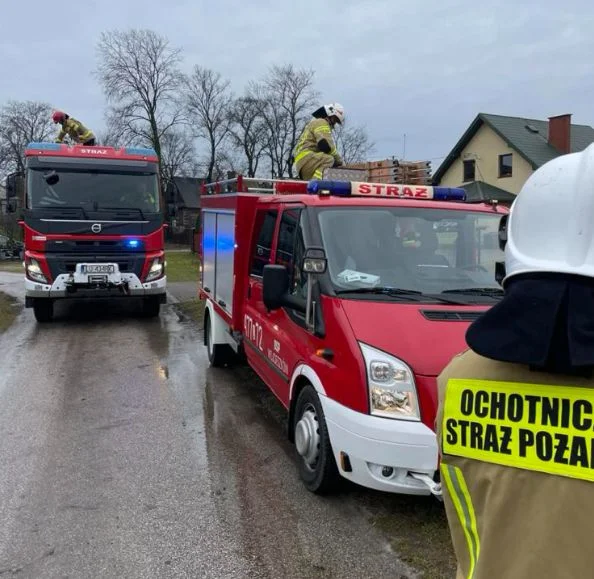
98 268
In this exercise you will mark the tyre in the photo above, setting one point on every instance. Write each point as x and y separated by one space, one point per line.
151 307
219 355
317 466
43 310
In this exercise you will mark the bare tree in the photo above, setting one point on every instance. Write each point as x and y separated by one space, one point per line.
227 163
22 122
208 106
247 132
139 74
178 155
287 97
116 135
352 143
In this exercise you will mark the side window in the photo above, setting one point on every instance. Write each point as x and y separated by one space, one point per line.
290 248
265 222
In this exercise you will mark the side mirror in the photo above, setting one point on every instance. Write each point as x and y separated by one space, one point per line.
314 261
502 233
15 183
499 272
275 289
12 205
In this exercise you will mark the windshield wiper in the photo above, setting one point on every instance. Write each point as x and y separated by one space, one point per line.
68 208
123 209
400 292
477 291
390 291
379 290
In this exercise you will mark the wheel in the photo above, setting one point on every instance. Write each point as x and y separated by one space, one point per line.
151 307
218 354
43 310
317 466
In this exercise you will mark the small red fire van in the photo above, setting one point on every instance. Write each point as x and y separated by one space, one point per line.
348 299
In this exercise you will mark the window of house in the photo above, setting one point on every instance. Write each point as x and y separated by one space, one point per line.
265 223
505 165
469 170
291 248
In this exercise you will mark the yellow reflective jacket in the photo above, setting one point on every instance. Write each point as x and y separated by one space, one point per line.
517 469
313 133
75 130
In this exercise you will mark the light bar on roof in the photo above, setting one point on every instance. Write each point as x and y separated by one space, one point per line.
44 146
361 189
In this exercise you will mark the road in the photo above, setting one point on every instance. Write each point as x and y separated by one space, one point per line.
123 455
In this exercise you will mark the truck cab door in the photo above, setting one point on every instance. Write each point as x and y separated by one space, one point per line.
290 341
255 324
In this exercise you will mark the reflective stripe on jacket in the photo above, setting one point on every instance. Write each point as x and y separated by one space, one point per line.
75 130
313 133
517 469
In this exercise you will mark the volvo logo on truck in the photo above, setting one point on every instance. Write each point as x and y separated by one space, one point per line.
96 228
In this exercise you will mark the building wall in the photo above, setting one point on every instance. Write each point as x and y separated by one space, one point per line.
485 148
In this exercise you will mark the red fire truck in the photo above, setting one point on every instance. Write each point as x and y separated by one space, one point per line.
93 226
348 299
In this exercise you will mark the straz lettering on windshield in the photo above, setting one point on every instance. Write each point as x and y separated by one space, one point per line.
392 190
527 426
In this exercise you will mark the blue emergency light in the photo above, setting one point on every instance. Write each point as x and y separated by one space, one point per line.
44 146
142 151
391 190
132 243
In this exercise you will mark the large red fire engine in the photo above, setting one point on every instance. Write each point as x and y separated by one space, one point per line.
93 226
348 299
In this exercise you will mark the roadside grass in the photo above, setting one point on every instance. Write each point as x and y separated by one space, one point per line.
192 309
11 266
181 266
9 310
418 531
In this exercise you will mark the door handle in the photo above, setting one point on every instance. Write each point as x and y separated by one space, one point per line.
249 290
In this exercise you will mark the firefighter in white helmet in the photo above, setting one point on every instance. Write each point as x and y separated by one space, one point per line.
316 150
515 424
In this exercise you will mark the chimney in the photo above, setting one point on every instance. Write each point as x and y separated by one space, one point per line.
560 133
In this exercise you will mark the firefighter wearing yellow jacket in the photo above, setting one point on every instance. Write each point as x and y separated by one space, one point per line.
316 150
515 423
73 128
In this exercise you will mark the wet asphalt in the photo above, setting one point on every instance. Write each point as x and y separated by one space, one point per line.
122 454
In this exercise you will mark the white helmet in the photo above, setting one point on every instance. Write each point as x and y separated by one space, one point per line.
550 227
336 110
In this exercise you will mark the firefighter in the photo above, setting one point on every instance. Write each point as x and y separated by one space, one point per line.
316 150
515 420
73 128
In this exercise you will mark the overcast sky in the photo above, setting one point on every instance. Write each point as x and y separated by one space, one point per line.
424 68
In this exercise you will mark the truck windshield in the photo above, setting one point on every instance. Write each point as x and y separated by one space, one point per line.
93 191
428 251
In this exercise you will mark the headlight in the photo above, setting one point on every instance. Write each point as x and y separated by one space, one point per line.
34 271
156 270
392 390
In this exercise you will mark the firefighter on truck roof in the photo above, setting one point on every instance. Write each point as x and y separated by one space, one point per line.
515 423
316 150
73 128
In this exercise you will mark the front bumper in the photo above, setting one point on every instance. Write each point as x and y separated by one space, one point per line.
64 287
371 443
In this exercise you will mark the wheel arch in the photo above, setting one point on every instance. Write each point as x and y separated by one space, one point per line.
302 376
